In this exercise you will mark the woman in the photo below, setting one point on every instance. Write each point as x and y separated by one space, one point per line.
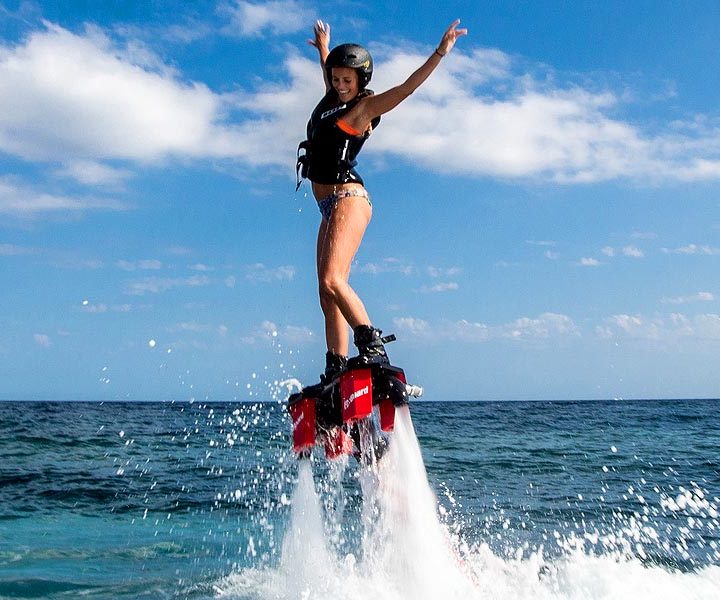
337 129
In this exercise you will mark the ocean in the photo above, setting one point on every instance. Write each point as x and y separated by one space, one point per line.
502 500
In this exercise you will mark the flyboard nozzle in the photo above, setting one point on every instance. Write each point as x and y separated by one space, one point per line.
315 413
301 407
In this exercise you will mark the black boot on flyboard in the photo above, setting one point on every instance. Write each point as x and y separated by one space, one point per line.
371 345
338 411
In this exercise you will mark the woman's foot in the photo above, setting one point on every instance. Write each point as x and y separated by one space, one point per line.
369 342
334 365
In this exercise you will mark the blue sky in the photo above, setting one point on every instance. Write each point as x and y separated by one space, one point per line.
546 211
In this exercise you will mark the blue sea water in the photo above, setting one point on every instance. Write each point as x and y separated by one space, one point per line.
566 500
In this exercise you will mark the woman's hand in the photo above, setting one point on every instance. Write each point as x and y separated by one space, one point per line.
322 37
449 37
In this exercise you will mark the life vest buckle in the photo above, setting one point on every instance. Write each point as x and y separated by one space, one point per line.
301 167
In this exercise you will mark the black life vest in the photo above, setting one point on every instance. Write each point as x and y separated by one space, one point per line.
330 153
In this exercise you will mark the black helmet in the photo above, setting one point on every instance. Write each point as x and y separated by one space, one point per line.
352 56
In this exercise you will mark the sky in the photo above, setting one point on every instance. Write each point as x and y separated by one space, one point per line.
546 207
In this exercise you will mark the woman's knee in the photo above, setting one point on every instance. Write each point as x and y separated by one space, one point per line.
331 287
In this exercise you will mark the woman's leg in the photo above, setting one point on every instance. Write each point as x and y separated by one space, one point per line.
335 324
338 241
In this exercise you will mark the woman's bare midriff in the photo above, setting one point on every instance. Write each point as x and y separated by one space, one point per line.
323 190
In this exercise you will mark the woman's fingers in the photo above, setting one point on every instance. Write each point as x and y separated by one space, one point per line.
453 25
451 35
321 28
454 32
322 34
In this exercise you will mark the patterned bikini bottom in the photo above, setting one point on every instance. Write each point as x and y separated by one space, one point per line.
327 204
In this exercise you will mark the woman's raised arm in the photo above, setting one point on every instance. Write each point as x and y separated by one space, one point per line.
322 42
374 106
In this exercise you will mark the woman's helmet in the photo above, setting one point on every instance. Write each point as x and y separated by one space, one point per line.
351 56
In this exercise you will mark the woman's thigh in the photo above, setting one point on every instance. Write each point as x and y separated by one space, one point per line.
342 235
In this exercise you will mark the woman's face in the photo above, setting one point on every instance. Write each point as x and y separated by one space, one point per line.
345 82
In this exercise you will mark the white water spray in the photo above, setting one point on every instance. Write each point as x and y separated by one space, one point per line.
306 559
405 553
409 545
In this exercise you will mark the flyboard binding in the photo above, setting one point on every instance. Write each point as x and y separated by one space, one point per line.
339 413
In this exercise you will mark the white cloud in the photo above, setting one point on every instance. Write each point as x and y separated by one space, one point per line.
28 203
633 252
200 267
443 271
195 327
412 325
82 101
549 254
589 262
67 97
179 251
440 287
87 263
190 31
630 250
155 285
94 308
13 250
545 326
531 128
255 19
72 261
691 249
707 326
268 331
260 272
42 340
388 265
661 329
699 297
140 265
549 243
191 326
292 334
102 308
627 323
465 331
89 172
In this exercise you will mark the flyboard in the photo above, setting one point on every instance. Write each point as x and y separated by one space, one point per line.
340 414
354 414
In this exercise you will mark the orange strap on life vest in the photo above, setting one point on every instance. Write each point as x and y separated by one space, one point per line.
347 128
